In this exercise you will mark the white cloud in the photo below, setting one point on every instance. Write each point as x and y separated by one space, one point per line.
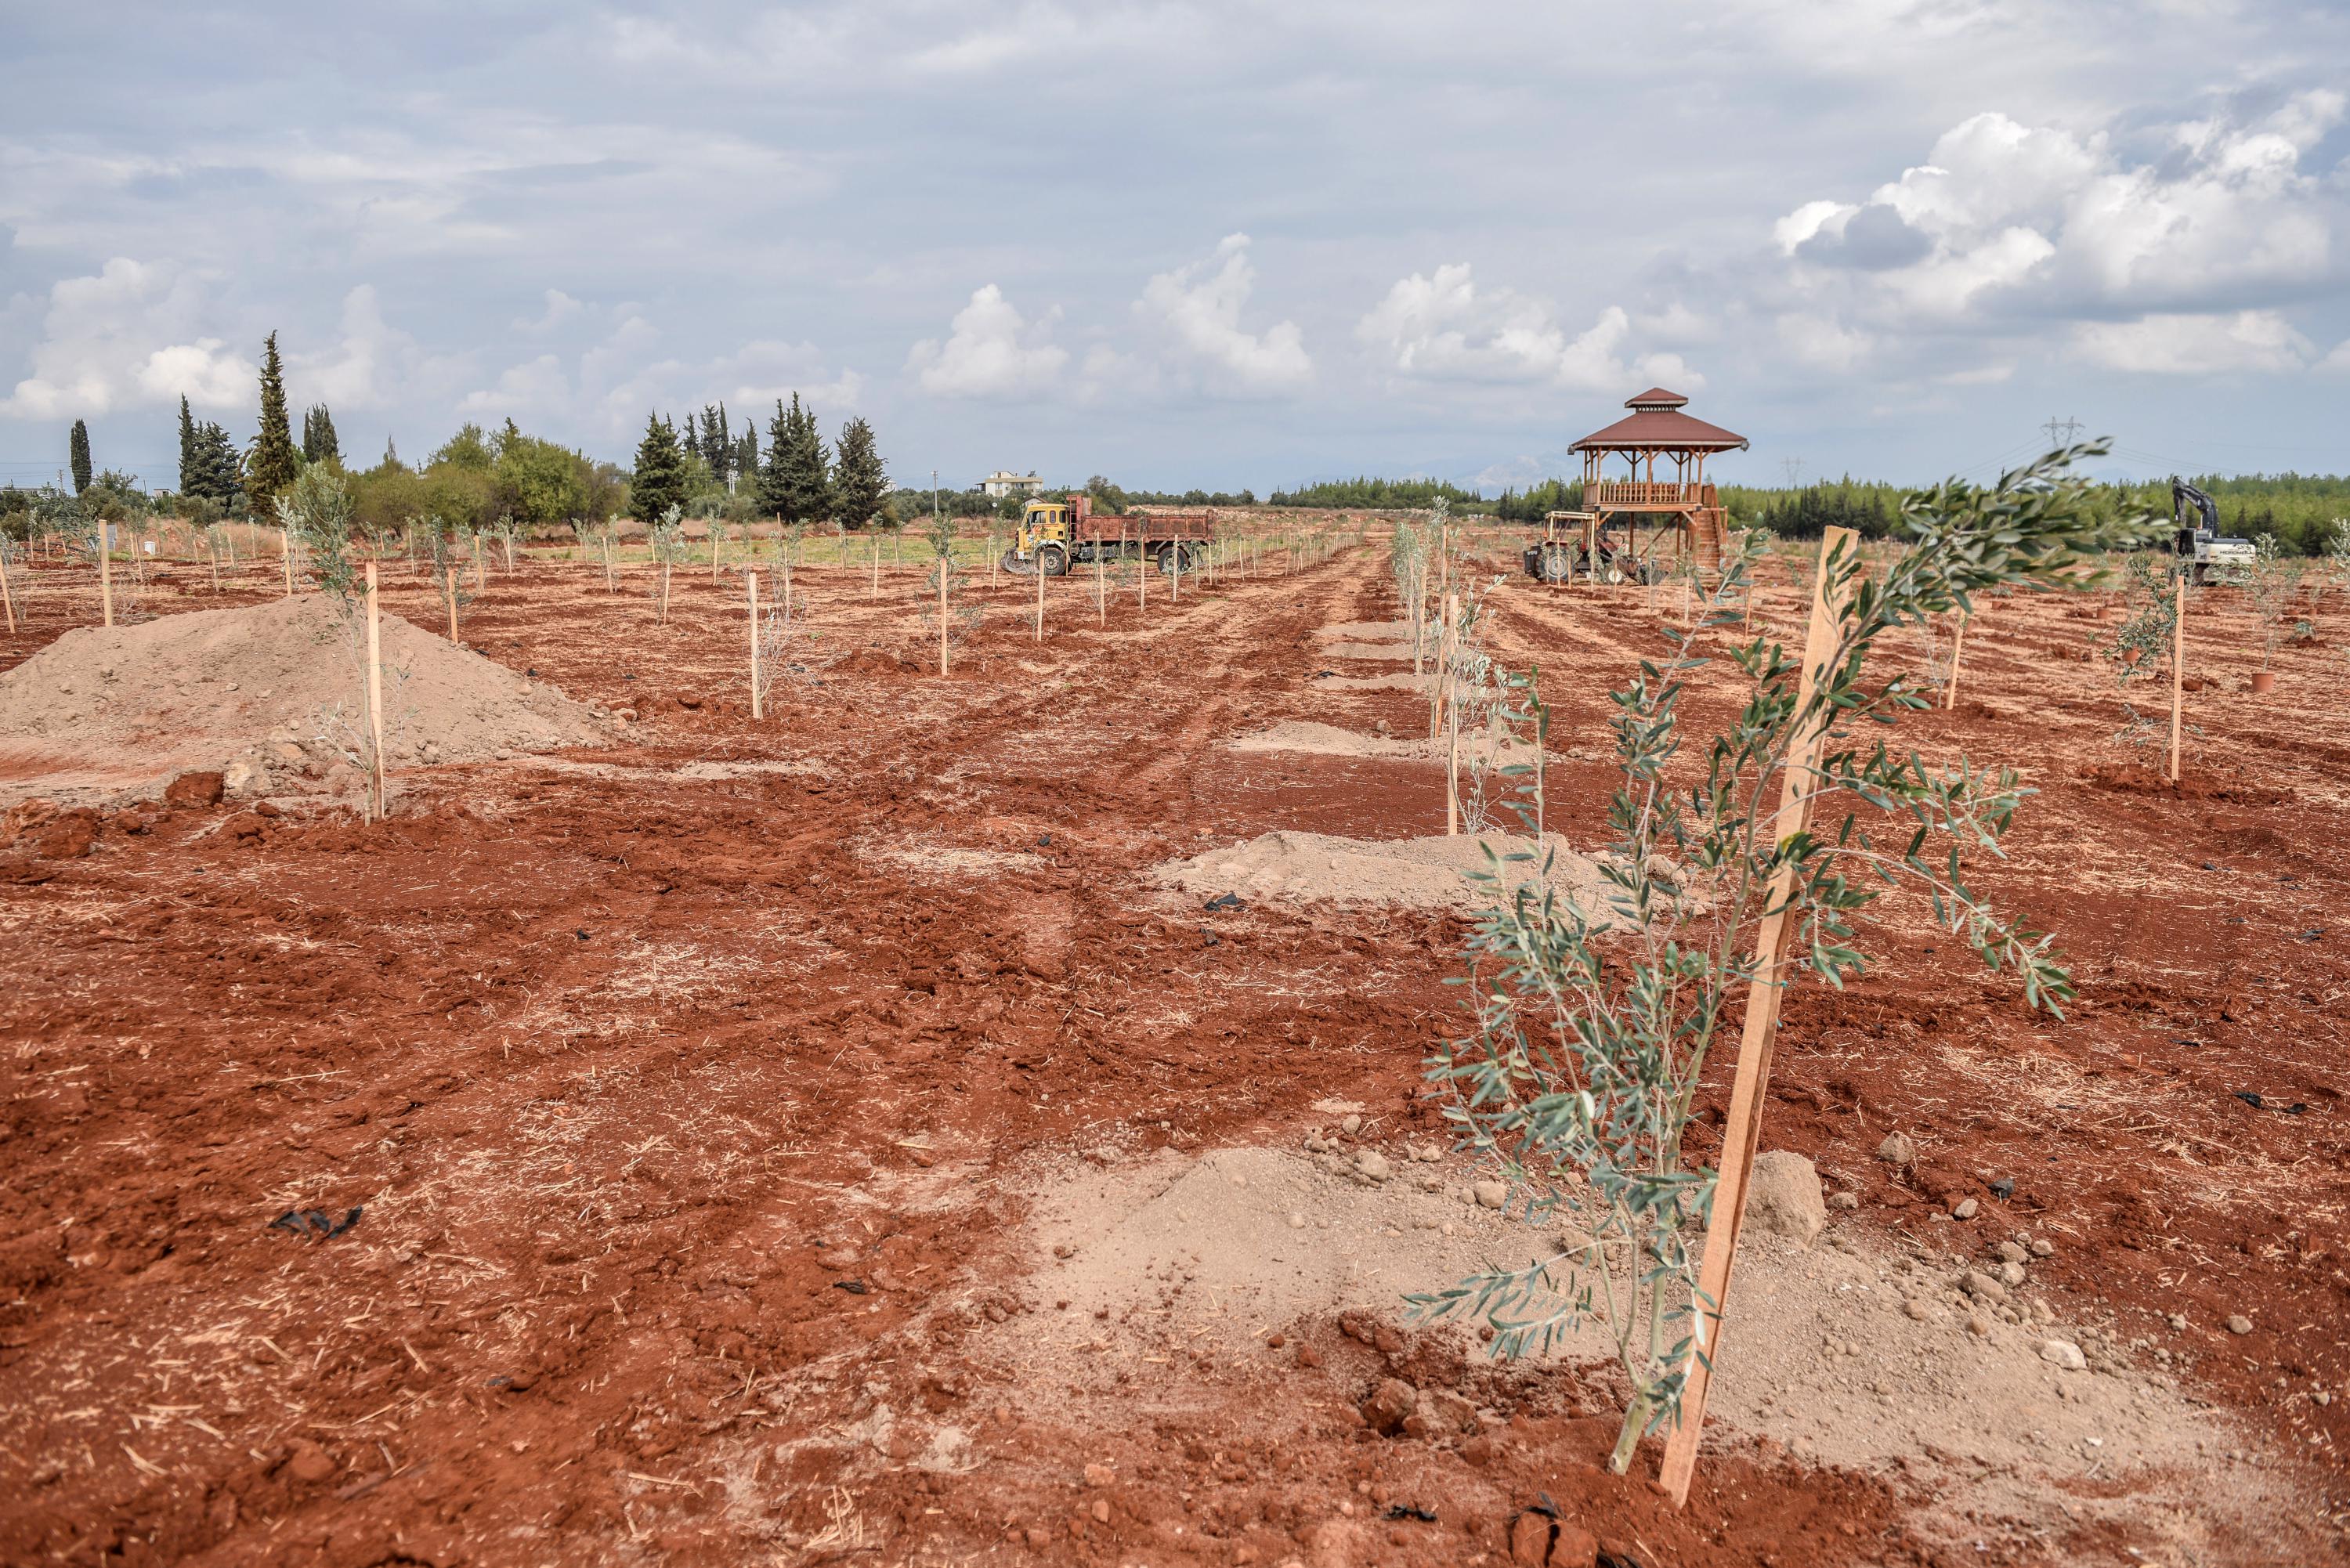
1445 327
2259 341
1197 307
759 375
992 352
372 365
1822 342
560 308
2033 221
124 337
532 386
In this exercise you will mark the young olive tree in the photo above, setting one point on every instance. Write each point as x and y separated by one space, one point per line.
1590 1031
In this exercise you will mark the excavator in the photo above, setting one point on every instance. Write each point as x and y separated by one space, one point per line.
2206 555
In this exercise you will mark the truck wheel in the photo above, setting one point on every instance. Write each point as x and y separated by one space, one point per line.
1557 563
1053 560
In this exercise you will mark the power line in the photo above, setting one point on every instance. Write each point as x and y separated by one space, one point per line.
2070 428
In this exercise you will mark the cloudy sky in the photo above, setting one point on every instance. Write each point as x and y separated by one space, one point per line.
1194 243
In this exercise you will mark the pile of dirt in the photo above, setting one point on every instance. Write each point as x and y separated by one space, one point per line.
1330 741
1373 683
1851 1353
1408 873
278 688
1397 651
1364 630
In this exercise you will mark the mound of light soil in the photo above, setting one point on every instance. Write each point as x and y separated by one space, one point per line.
1410 873
1396 650
1367 631
1330 741
1851 1352
280 687
1373 683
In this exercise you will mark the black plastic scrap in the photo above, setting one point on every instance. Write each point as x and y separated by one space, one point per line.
2257 1104
316 1222
853 1287
1223 901
1412 1511
2004 1188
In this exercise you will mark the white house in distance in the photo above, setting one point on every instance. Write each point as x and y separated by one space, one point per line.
1003 482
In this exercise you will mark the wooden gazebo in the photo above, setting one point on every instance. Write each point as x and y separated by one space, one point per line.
1683 504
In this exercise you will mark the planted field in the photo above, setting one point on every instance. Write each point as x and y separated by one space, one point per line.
983 1119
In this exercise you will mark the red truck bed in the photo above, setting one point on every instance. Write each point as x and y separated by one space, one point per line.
1149 527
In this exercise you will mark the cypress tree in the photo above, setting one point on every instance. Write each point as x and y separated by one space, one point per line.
689 445
318 439
796 485
275 461
772 491
77 453
747 454
659 482
860 479
187 448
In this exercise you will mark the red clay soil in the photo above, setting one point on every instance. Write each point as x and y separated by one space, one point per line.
664 1123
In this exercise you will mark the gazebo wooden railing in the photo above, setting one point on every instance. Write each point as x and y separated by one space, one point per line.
1642 493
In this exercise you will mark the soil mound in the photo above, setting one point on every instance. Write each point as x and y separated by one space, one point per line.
1170 1255
1373 683
280 686
1366 631
1411 873
1368 650
1330 741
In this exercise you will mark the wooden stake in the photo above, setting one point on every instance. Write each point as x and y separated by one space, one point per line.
1040 594
1451 734
875 591
449 581
285 554
1763 996
2178 670
105 574
375 696
945 563
212 548
751 578
1958 646
1101 588
8 595
607 561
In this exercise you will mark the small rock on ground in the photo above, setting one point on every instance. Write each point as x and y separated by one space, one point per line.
1784 1196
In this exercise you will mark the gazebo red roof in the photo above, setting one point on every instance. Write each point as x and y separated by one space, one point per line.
1657 424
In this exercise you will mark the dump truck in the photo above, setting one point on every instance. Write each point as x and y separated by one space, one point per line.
1055 534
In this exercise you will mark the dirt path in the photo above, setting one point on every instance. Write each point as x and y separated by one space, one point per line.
695 1111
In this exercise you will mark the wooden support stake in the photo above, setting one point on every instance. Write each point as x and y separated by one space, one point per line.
875 591
1763 996
211 549
1451 734
285 554
105 574
449 582
751 578
2178 670
1040 594
7 594
375 697
945 564
1101 590
1958 646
